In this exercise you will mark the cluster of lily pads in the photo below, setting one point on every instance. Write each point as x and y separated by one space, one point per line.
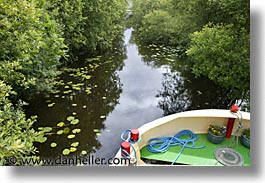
67 90
165 52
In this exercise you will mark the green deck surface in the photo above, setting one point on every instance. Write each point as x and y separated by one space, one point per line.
197 157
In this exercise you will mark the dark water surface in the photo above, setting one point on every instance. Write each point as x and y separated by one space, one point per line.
133 85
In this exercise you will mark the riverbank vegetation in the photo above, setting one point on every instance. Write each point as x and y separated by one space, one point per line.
37 37
214 34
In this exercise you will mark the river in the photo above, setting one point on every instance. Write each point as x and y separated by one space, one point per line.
99 98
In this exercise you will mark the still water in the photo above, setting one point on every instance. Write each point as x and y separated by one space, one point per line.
98 98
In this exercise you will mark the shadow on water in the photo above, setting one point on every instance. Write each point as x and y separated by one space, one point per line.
126 88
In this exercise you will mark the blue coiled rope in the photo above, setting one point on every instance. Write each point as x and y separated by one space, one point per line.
128 139
162 144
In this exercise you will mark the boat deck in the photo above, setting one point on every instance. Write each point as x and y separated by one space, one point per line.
197 157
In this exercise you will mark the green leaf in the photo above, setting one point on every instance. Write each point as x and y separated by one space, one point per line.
96 130
70 118
40 128
102 117
71 136
84 152
60 132
77 130
75 121
60 124
66 151
66 130
51 105
75 144
53 144
74 105
47 129
41 139
72 149
98 134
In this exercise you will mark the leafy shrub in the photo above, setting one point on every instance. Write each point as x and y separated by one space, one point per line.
16 132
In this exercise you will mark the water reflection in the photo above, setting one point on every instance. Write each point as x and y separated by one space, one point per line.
181 90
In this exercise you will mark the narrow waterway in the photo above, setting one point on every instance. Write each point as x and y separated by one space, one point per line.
138 103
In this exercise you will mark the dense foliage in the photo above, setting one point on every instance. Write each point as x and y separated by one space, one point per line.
214 33
37 37
16 135
31 46
88 25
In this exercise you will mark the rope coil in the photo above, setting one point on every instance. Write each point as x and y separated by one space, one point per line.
162 144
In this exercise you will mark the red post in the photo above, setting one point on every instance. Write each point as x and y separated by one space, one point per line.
229 127
134 135
125 146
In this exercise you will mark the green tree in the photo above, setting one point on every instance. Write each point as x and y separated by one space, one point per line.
222 55
88 25
157 26
31 46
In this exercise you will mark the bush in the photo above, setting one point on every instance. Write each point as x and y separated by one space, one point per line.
16 132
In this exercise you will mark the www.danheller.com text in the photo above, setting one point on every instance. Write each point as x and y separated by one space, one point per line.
61 160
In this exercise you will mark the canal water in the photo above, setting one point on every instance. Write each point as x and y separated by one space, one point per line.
98 98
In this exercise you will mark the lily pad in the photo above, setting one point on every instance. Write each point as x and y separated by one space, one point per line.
77 130
96 130
199 92
84 106
51 105
74 113
66 130
70 118
72 149
102 117
41 139
40 128
53 144
66 151
75 144
60 124
98 134
77 88
84 152
59 132
75 121
71 136
74 105
47 129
